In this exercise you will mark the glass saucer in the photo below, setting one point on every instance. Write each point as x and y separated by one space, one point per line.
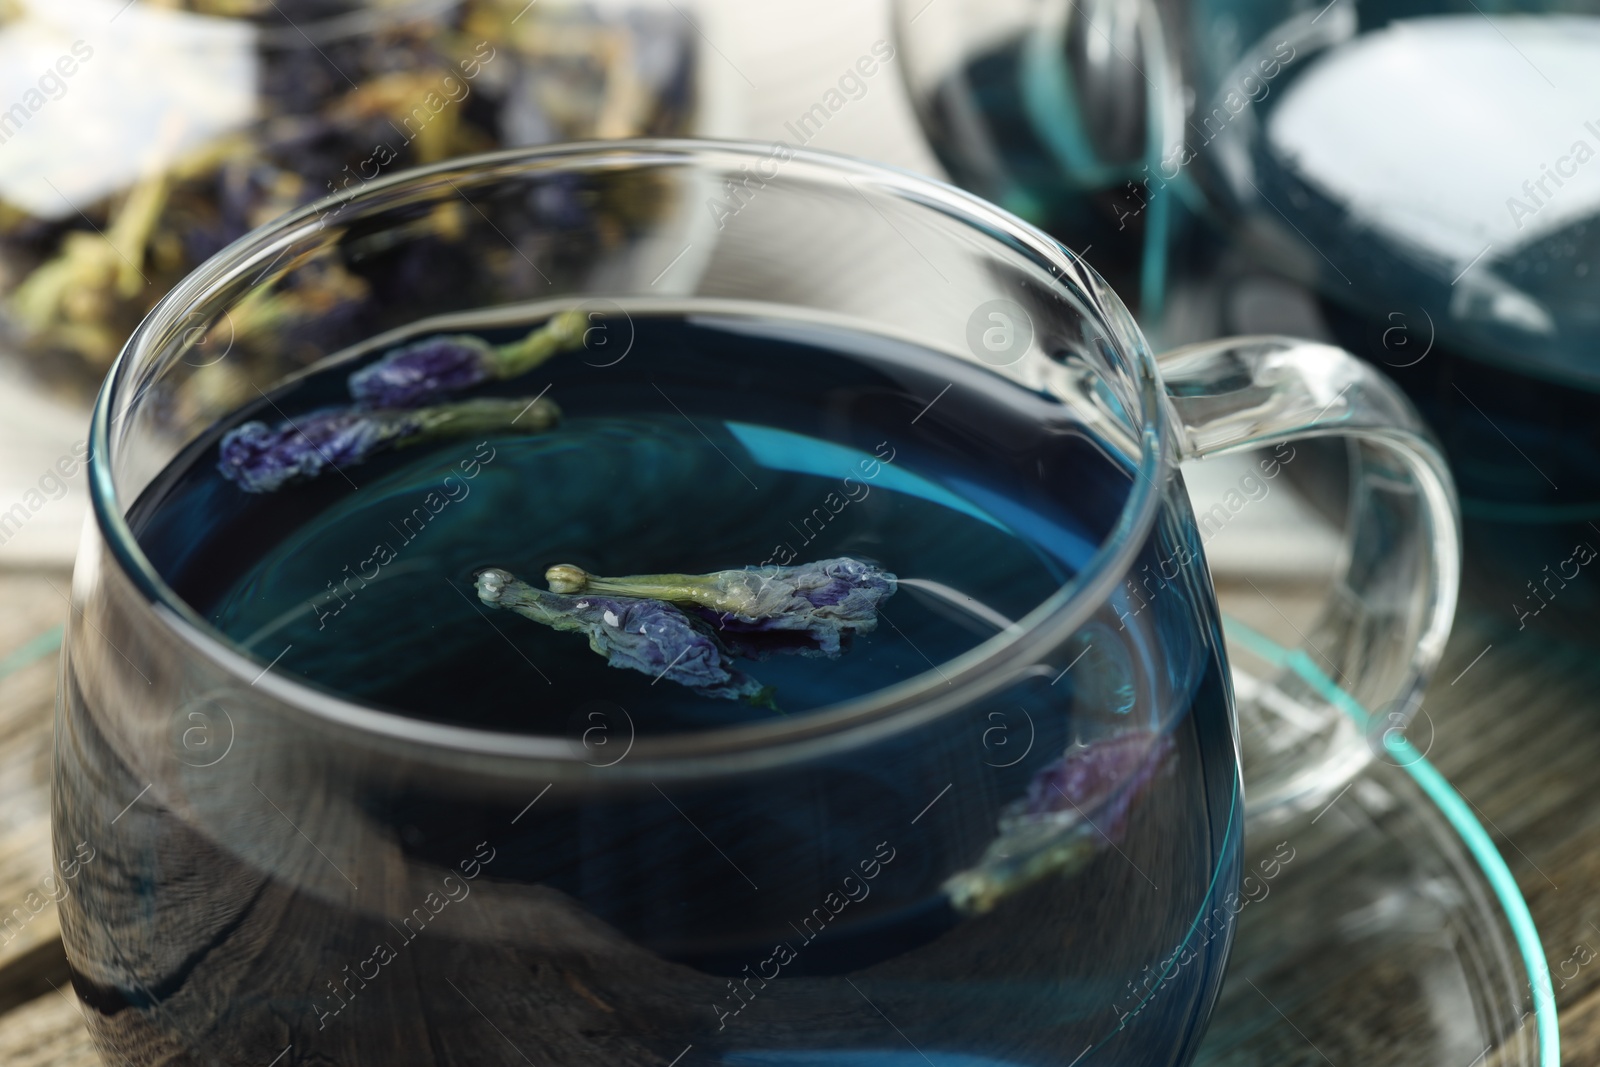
1383 929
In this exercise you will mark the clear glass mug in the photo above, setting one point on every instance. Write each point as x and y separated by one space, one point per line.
279 871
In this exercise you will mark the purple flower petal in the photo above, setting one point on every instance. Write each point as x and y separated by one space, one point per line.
420 372
810 609
1075 808
1111 772
648 636
262 458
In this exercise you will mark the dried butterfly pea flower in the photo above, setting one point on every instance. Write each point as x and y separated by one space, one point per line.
648 636
421 82
810 609
419 372
1074 807
411 375
1088 773
262 459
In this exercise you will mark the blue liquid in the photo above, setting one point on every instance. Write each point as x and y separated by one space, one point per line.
707 447
790 915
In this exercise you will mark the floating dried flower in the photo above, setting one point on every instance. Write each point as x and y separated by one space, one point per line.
1089 773
1074 806
810 609
649 636
419 372
262 459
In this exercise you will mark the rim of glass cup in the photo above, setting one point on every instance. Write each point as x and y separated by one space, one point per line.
904 705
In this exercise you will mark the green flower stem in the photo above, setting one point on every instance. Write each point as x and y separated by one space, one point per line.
564 331
730 591
484 415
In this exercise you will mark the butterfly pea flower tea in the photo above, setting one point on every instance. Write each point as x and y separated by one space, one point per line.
696 538
791 646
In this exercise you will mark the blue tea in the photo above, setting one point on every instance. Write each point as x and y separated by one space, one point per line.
713 520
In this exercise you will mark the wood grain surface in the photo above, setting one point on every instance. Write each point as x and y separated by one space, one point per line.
31 960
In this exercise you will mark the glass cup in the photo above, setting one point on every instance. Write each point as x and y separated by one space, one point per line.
267 871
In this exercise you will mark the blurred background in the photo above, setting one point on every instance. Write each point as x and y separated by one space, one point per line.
1410 179
184 124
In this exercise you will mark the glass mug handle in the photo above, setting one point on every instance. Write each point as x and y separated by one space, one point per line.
1384 627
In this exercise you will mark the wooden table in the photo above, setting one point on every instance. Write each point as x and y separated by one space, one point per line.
39 1020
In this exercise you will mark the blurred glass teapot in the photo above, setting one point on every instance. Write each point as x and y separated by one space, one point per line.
1415 179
